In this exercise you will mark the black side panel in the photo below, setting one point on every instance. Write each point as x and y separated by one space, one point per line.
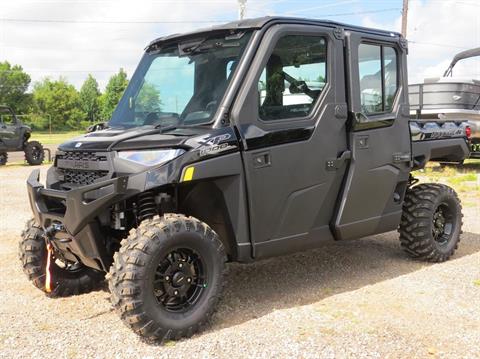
225 173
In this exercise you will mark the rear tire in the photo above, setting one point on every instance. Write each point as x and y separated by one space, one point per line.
167 277
431 222
34 153
33 255
3 158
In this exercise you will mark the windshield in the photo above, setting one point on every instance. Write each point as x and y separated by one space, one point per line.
180 84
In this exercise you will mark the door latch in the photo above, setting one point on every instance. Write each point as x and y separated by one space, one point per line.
335 164
262 160
402 157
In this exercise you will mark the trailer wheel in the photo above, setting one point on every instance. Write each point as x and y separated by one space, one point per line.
167 277
34 153
3 158
431 222
70 279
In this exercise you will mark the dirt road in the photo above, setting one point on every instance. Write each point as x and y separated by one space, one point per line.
356 299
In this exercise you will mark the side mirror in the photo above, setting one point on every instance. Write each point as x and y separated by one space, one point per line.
97 127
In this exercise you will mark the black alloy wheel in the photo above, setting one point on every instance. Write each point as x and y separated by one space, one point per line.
179 280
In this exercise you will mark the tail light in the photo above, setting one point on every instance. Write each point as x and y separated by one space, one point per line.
468 132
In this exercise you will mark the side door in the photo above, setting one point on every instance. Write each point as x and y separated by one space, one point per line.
379 136
291 115
8 129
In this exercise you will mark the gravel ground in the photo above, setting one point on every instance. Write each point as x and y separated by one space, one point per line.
356 299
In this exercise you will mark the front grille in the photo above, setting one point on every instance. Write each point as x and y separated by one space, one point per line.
82 177
81 168
81 156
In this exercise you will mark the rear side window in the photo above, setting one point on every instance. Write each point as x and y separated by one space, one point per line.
293 78
377 67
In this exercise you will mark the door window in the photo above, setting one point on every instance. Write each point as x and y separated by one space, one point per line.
293 77
378 77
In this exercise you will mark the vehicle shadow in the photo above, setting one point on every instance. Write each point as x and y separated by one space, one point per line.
255 290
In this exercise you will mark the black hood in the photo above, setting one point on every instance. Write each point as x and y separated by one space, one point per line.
134 138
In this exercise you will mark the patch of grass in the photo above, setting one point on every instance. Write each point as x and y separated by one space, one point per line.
54 138
477 282
465 179
458 179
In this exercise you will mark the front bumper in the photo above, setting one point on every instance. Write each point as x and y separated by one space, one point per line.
76 210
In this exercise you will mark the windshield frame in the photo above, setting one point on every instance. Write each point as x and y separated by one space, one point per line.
151 54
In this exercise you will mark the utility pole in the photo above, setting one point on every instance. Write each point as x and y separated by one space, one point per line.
404 18
242 6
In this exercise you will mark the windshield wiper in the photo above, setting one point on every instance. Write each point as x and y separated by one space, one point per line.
166 128
196 48
192 48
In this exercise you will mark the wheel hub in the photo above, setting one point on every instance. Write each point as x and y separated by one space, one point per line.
442 226
179 280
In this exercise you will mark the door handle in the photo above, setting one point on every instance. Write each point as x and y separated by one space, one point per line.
262 160
402 157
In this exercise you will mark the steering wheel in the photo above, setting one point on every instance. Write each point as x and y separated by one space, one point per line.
151 118
211 106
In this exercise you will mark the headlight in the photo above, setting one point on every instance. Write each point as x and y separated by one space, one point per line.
150 157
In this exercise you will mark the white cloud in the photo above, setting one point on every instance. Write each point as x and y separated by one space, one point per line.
437 30
74 49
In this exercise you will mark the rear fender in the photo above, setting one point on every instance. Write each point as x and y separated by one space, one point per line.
449 150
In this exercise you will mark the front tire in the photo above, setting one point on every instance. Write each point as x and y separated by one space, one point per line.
66 280
3 158
34 153
431 222
167 277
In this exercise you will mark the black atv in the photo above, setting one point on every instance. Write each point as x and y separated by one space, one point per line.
245 141
14 136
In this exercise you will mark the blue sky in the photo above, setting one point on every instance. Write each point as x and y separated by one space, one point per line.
72 38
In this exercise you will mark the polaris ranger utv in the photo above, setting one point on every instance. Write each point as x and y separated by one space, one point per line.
241 142
14 136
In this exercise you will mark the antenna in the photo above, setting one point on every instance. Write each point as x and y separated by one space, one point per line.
404 18
242 7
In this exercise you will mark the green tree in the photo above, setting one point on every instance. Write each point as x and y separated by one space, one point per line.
14 84
90 99
113 92
148 99
59 101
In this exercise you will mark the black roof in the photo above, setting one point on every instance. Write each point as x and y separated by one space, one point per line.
260 22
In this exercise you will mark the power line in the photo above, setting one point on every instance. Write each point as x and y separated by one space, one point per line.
59 21
334 4
440 45
363 12
110 22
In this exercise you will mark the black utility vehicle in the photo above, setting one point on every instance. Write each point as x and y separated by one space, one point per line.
14 136
244 141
